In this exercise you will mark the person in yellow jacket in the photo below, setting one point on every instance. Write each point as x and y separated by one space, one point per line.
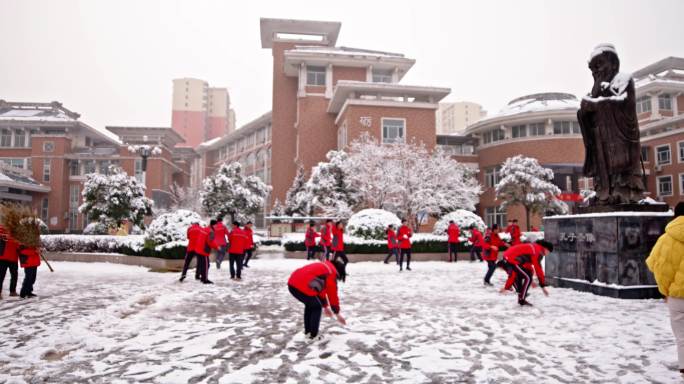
667 264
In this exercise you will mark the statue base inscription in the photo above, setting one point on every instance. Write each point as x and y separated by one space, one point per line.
604 253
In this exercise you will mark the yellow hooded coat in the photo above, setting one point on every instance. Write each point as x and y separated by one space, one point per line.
667 259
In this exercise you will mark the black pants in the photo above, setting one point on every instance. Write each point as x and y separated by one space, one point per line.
14 275
29 279
395 252
310 253
491 267
524 279
312 310
235 263
405 252
452 251
475 251
186 264
203 267
326 251
342 256
248 255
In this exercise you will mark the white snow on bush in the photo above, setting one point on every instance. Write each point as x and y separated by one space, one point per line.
372 223
464 219
298 237
91 243
172 226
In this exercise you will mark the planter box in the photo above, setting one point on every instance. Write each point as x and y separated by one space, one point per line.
117 258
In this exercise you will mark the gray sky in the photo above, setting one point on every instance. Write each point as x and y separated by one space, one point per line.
113 61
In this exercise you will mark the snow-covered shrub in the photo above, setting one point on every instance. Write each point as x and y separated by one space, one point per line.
171 226
96 228
464 219
231 194
127 245
371 223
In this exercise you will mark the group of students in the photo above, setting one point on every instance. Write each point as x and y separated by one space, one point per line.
216 238
12 255
331 241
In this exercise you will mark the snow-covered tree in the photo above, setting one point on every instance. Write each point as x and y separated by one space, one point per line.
331 188
229 193
278 209
297 202
372 223
114 198
172 226
463 219
370 165
525 182
185 198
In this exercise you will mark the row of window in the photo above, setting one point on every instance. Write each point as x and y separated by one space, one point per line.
73 213
15 138
393 132
643 104
664 154
532 129
315 75
260 137
664 185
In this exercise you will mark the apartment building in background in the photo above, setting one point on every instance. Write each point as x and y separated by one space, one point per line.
455 117
200 112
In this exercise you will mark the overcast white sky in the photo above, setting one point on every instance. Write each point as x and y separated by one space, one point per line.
113 61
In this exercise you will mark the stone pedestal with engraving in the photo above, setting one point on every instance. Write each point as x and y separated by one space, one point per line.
604 253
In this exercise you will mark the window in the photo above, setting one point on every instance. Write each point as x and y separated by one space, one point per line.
89 166
393 131
46 170
74 195
644 154
665 185
665 102
492 176
6 137
495 215
74 168
537 129
315 75
681 183
14 162
643 104
44 210
138 170
681 151
487 137
498 134
19 138
342 136
73 219
663 156
565 127
519 131
382 76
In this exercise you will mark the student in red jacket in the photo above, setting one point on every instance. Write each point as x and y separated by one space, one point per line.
491 253
326 238
338 242
525 261
190 252
315 285
453 232
220 243
249 245
515 233
9 260
236 251
404 236
392 244
477 243
310 240
29 258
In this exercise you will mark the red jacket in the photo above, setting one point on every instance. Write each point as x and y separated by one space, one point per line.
453 233
326 235
220 233
515 234
494 241
11 246
238 241
310 237
404 237
318 279
338 240
476 238
198 240
392 239
250 238
29 257
527 255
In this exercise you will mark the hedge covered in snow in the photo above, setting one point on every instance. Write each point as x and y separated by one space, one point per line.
420 243
371 223
134 245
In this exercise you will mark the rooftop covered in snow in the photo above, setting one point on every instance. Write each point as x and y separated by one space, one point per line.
246 129
13 180
147 135
299 31
369 93
346 57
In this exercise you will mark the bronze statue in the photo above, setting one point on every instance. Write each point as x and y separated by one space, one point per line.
607 117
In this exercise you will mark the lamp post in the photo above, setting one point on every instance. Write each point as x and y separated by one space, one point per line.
144 151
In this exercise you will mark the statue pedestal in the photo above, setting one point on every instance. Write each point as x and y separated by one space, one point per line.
604 253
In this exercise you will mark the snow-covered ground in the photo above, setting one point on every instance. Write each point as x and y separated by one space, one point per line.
117 324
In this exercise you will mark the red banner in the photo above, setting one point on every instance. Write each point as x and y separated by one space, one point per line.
570 197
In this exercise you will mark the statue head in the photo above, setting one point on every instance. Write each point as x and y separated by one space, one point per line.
604 62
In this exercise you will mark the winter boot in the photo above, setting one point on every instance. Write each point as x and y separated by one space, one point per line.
181 278
14 294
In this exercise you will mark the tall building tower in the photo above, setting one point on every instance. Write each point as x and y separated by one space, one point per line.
453 118
200 113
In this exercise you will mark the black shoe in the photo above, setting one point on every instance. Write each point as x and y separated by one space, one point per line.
30 295
245 266
386 262
197 277
22 296
238 279
218 265
408 268
207 282
525 302
13 294
181 278
232 277
487 283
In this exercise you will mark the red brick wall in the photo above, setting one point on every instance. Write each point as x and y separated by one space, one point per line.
348 73
317 134
191 125
59 174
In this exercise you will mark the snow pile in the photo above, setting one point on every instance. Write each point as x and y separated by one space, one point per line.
172 226
463 219
372 223
91 244
96 228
